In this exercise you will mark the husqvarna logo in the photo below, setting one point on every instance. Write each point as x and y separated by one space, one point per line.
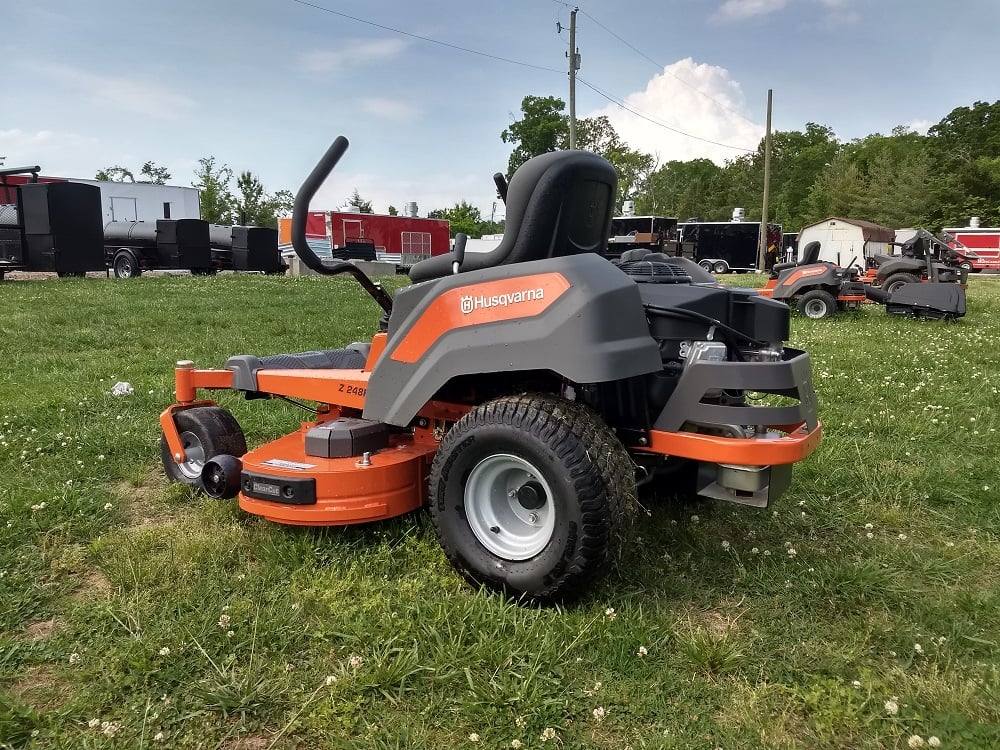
471 303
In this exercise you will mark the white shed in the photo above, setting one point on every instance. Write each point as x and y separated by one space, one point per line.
140 201
847 241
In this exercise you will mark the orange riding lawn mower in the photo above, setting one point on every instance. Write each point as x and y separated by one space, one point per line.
528 396
919 282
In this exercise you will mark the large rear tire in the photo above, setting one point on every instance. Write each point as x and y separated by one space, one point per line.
817 304
529 495
207 432
897 280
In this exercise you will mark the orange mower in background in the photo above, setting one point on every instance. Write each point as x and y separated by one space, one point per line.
819 289
527 396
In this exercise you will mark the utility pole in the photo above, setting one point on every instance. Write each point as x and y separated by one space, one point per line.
574 65
762 237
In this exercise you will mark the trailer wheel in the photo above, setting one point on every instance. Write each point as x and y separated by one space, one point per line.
207 432
529 496
817 304
720 266
894 282
707 265
126 265
965 266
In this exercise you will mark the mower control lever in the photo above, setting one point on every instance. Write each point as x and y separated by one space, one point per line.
459 252
300 216
501 182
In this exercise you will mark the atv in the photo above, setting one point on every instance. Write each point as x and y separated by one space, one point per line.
525 396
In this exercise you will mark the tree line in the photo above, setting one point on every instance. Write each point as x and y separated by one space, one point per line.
901 179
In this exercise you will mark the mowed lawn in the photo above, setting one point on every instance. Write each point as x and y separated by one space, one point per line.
859 611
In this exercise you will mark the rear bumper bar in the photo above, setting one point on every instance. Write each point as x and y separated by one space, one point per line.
772 448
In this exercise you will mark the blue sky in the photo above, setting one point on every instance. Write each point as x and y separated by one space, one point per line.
266 84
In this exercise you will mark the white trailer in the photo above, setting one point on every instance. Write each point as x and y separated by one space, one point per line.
139 201
847 242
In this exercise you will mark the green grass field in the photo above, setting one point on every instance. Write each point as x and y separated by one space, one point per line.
859 611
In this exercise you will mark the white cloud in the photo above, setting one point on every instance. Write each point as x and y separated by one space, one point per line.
141 97
389 109
58 153
677 103
835 12
920 126
351 53
737 10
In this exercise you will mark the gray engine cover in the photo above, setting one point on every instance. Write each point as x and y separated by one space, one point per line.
595 331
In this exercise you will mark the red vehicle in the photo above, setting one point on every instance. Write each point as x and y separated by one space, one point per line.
979 247
404 239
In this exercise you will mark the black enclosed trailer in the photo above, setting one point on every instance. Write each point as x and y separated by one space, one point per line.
727 246
240 248
131 247
54 226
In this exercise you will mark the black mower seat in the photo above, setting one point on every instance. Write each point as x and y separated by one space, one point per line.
558 203
245 366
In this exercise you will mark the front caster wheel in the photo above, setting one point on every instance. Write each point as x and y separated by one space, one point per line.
207 432
529 496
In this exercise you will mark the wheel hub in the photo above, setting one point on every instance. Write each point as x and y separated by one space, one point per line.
194 456
509 507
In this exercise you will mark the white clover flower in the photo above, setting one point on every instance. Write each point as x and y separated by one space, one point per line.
695 519
902 537
915 741
643 651
355 661
857 684
869 527
74 658
610 613
100 457
892 707
725 545
473 737
869 535
110 728
165 651
933 741
224 621
37 507
159 737
230 633
330 679
754 551
791 552
599 714
93 723
516 744
917 648
547 734
108 506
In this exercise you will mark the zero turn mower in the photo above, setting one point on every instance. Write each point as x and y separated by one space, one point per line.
820 288
524 395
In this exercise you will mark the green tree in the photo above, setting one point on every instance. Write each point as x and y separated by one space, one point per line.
684 189
214 194
542 128
393 211
154 173
597 134
116 173
462 217
363 205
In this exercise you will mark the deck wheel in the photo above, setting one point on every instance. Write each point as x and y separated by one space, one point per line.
206 432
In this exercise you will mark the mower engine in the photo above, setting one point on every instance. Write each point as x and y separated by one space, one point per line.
719 346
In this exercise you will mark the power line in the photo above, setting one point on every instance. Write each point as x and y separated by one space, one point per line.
654 121
431 40
663 68
449 45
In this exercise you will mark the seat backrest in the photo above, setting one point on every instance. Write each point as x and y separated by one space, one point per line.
810 254
558 203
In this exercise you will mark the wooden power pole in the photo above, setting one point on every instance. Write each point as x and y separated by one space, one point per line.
762 237
574 65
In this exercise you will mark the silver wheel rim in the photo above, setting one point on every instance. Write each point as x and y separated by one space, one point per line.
124 268
194 452
719 268
895 286
495 514
815 308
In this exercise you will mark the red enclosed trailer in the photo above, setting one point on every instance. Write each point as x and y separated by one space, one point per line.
984 242
403 239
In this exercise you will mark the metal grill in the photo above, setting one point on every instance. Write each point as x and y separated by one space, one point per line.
8 214
415 246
